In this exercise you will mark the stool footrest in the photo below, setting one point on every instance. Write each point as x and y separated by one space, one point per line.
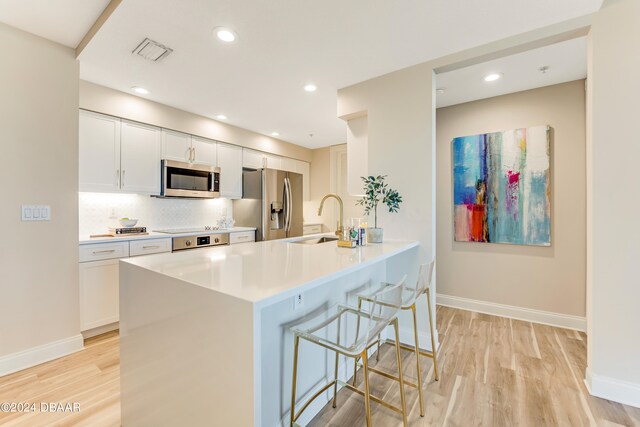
372 397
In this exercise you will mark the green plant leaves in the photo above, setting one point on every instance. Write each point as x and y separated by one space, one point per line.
376 190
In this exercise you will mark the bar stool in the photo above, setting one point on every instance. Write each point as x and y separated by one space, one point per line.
409 298
387 303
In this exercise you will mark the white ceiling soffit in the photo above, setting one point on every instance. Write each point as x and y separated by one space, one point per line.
62 21
257 81
567 61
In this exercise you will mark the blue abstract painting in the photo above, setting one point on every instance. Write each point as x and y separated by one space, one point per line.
501 187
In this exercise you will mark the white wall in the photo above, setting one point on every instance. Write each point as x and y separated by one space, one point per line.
39 260
551 278
613 280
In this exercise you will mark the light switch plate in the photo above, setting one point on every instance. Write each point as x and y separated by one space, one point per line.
36 212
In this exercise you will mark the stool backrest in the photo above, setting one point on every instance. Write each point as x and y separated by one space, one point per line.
384 307
425 274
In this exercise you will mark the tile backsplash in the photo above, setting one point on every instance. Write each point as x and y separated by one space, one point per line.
99 211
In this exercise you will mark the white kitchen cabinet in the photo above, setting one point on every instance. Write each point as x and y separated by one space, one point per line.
99 137
289 165
242 237
252 159
176 146
99 291
273 162
188 148
230 161
204 151
140 147
99 277
304 169
117 155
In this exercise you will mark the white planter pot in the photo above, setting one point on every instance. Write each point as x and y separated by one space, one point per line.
374 235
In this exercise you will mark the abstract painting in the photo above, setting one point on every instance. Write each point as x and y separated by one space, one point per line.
501 187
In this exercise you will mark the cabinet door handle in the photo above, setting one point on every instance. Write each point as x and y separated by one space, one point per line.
123 171
117 177
194 153
109 251
151 247
242 237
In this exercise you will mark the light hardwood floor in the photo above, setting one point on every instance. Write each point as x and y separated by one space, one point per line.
494 372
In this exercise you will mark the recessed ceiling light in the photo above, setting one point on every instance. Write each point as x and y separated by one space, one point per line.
225 34
221 117
310 87
441 90
140 90
275 134
492 77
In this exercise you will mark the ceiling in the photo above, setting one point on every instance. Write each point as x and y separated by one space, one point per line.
63 21
566 61
257 81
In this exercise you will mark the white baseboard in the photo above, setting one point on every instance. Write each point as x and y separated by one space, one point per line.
613 389
43 353
520 313
100 330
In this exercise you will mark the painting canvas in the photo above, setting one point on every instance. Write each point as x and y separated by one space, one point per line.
501 187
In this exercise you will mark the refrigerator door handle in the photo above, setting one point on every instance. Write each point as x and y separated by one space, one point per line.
287 186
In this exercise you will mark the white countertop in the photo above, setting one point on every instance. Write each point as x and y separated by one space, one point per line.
154 235
267 272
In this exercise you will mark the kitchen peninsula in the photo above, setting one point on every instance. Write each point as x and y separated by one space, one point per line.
205 334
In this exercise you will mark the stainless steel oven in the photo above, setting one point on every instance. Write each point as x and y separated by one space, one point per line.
189 180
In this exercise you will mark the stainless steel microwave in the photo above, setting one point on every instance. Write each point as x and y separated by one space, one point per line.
190 180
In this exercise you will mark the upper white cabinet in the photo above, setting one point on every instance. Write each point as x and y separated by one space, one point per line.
118 155
304 169
252 159
140 158
99 138
188 148
176 146
230 164
289 165
273 161
204 151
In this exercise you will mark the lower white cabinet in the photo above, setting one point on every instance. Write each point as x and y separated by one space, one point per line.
98 293
100 281
242 237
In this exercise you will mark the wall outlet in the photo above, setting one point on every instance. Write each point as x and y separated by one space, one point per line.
298 302
36 212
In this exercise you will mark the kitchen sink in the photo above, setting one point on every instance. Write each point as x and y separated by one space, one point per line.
316 240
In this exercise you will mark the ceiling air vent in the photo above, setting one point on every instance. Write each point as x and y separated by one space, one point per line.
151 50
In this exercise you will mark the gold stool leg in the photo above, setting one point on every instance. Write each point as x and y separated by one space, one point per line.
400 374
433 339
295 373
335 378
355 360
415 335
367 403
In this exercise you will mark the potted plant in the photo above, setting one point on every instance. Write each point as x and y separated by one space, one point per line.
375 192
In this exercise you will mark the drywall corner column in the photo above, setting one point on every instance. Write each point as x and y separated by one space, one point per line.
400 145
39 308
357 153
614 294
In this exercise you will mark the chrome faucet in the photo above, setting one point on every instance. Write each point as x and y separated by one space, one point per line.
340 229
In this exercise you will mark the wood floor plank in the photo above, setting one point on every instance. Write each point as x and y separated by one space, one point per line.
493 372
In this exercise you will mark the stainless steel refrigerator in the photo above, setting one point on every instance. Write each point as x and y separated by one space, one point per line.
271 202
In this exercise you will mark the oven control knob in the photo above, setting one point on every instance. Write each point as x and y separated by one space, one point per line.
216 240
188 243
